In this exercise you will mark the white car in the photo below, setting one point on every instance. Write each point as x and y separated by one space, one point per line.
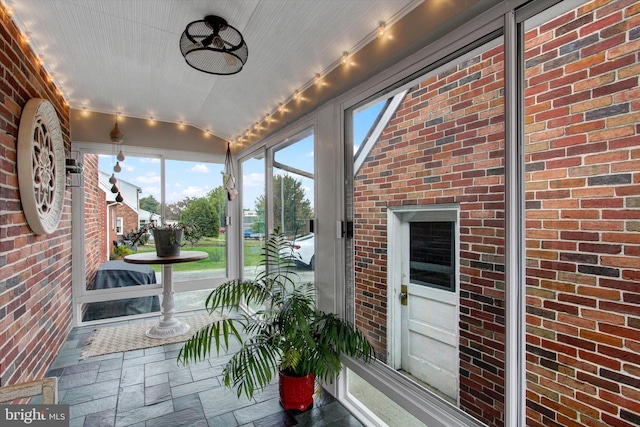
303 251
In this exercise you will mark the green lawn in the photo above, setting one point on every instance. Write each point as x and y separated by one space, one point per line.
216 248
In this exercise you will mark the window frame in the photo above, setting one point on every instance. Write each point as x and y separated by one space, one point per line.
80 295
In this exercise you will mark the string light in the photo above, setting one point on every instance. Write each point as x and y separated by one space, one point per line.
317 80
27 37
345 57
9 9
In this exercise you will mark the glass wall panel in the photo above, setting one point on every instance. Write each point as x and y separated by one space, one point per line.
125 192
252 196
428 247
114 193
385 409
195 195
582 139
293 198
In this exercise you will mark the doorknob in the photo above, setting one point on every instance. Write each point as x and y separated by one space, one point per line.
403 294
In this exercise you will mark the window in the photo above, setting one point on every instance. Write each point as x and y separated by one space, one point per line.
425 267
293 197
152 189
431 251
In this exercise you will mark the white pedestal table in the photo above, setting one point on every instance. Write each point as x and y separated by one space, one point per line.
168 326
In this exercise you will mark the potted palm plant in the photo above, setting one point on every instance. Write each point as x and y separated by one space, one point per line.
286 336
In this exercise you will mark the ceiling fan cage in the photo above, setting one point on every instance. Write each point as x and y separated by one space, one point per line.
213 46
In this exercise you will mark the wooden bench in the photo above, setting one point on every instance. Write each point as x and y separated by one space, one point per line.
47 387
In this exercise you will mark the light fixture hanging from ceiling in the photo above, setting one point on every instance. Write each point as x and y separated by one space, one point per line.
213 46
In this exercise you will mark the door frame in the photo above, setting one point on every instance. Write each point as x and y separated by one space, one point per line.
396 217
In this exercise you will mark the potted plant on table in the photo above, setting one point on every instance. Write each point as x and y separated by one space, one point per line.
168 238
287 335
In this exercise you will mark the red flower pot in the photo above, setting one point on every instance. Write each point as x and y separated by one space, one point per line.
296 393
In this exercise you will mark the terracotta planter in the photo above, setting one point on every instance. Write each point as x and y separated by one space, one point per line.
168 242
296 393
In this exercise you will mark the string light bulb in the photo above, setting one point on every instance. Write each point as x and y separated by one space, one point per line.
296 94
27 37
345 58
267 118
381 29
317 79
9 9
280 107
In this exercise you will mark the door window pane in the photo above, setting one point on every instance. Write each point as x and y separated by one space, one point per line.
431 254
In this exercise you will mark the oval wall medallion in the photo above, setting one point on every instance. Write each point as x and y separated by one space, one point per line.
41 166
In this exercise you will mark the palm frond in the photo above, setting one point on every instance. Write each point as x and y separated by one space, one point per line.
198 347
286 333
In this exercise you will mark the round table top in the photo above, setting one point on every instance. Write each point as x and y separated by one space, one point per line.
152 258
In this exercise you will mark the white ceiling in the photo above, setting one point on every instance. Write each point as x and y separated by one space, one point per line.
123 55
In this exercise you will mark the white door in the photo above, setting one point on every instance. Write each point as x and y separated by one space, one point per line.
429 300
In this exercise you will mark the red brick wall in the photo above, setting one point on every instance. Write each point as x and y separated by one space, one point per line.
445 145
129 218
35 273
95 217
583 217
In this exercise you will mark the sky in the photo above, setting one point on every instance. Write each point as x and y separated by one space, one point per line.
196 179
184 179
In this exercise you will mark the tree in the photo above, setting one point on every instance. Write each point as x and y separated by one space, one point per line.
150 204
172 211
203 215
218 199
297 208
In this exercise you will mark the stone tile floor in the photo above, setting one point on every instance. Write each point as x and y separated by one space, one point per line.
147 388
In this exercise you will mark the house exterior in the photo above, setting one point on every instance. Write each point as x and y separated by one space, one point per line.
122 217
445 149
108 221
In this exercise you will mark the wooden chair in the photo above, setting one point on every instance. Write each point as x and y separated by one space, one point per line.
47 387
